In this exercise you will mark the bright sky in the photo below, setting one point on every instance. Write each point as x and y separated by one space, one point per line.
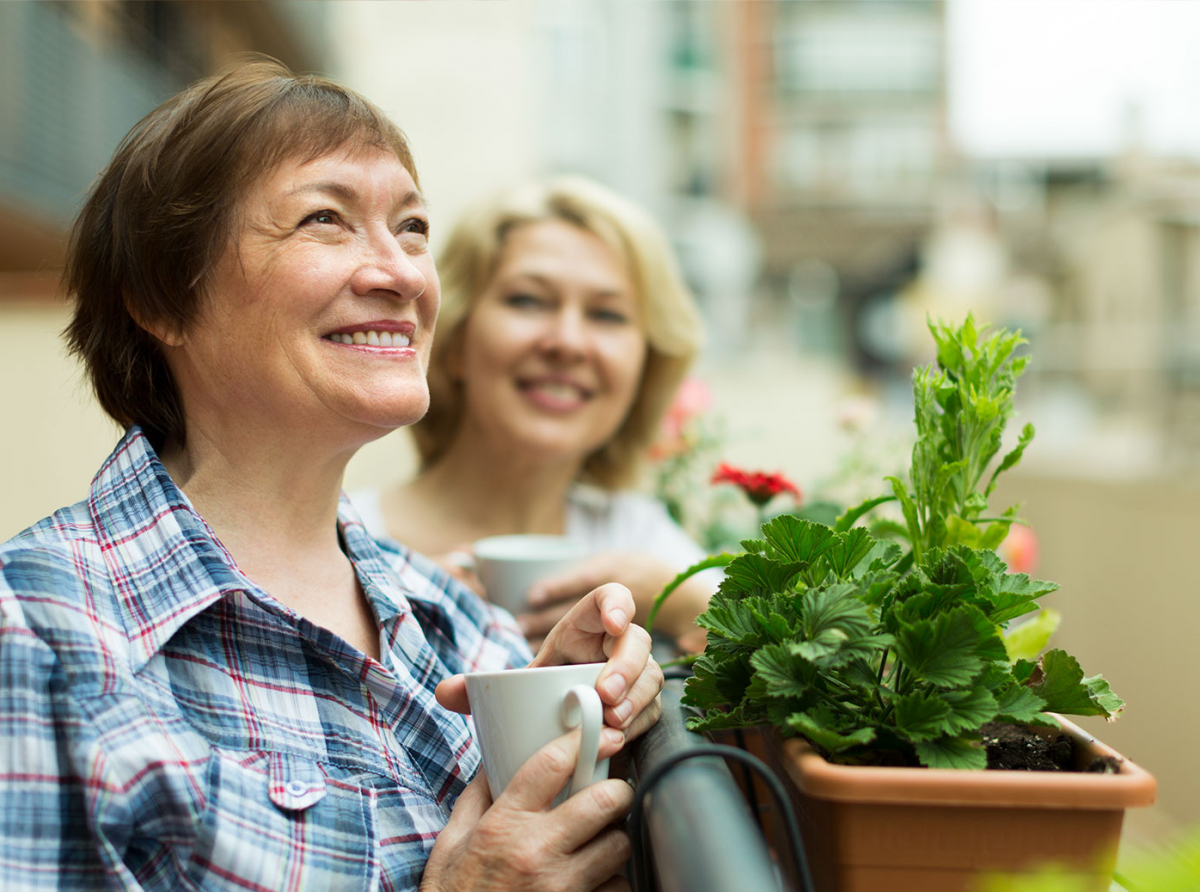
1066 78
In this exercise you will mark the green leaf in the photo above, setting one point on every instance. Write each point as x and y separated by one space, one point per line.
1030 638
942 651
923 716
716 720
969 710
719 560
1013 458
1017 595
1018 703
785 675
1065 690
991 645
797 541
909 508
1103 697
818 726
755 574
847 520
952 752
731 620
848 551
961 532
831 618
718 680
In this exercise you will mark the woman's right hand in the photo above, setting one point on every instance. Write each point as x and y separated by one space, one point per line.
518 842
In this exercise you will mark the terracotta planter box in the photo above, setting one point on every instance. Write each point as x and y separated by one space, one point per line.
871 829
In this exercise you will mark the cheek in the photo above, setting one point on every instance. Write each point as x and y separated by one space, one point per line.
625 360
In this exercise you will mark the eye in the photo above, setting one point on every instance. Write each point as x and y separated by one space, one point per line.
523 300
323 218
417 225
609 316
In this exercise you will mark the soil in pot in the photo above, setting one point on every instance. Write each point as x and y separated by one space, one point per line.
1021 748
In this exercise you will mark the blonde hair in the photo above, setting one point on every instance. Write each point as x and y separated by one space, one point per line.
673 329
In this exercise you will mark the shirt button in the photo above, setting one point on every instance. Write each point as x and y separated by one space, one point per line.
297 788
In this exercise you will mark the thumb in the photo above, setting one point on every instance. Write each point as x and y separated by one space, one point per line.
451 693
543 775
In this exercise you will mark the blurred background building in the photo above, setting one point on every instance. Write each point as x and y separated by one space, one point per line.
830 172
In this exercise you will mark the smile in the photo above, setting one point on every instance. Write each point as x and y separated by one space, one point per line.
372 338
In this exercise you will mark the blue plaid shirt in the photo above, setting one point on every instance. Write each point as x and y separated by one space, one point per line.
166 724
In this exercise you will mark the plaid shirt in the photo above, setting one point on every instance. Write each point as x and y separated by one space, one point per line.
166 724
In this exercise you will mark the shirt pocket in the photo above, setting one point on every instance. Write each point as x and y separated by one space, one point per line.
275 821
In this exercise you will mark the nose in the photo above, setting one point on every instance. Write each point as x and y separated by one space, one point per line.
387 268
566 334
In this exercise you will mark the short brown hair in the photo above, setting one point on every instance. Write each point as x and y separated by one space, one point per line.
672 322
161 214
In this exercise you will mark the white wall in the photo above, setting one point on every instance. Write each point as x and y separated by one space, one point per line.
53 436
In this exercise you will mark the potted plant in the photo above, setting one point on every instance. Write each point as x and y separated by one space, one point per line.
885 662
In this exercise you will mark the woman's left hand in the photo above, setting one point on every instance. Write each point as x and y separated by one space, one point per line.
598 628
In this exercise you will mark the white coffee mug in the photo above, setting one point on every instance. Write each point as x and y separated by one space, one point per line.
519 711
508 565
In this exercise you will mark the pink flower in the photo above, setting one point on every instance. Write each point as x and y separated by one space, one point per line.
758 486
692 400
1019 549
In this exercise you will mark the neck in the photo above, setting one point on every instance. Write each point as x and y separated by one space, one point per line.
498 490
270 499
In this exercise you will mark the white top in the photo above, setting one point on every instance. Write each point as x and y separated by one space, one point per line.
600 519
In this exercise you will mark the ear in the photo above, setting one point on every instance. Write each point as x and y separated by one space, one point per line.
165 333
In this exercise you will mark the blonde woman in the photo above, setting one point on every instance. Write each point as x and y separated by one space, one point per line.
564 332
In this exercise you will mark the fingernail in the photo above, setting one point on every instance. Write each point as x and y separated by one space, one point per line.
619 617
614 686
623 710
613 737
524 624
536 596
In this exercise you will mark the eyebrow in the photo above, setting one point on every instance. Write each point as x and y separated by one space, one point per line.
548 283
348 194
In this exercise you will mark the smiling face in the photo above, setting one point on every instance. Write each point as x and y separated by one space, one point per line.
319 316
552 353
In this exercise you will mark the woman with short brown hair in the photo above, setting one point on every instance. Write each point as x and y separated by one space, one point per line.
212 676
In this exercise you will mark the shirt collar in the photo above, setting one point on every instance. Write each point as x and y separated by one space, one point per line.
166 563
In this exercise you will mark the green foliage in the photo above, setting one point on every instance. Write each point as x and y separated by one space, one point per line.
875 654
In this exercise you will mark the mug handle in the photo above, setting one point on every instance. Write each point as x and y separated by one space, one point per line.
581 706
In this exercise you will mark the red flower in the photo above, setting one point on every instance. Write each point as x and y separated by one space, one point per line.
758 486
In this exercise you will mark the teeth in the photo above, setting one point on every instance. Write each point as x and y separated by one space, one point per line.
372 338
559 391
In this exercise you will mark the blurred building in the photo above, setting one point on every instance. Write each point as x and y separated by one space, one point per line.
77 76
74 77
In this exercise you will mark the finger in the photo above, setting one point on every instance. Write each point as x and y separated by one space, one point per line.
645 689
592 809
468 810
644 720
472 802
582 635
452 694
602 859
628 655
539 624
543 775
616 606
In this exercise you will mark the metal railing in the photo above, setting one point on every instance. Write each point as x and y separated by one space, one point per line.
698 832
